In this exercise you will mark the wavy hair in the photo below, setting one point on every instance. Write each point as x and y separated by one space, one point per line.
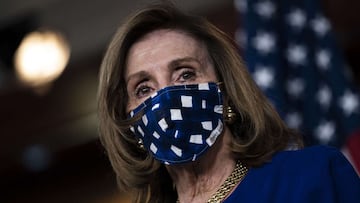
258 132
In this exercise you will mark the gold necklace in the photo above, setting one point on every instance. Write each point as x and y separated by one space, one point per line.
235 177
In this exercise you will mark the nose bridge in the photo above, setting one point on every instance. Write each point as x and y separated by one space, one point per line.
163 79
160 71
160 76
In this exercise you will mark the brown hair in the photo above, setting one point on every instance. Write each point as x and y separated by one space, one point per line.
258 132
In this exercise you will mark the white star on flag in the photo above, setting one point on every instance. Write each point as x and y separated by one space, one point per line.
349 103
320 25
241 5
294 58
293 120
323 59
296 54
265 9
295 87
264 42
325 132
324 96
264 77
297 18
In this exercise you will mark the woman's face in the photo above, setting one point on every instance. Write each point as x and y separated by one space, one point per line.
164 58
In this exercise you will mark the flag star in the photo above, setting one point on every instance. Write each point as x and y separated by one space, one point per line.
265 9
324 96
241 5
325 132
349 102
293 120
264 42
323 59
296 54
295 87
264 77
297 18
320 25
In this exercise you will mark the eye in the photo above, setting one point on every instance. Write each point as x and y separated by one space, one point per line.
187 75
142 91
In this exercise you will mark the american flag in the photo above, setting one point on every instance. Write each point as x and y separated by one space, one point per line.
291 51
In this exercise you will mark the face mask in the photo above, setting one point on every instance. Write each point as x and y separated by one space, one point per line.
179 123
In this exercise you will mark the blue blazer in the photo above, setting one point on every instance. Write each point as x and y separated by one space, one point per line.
312 175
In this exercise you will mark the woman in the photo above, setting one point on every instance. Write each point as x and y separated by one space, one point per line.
182 121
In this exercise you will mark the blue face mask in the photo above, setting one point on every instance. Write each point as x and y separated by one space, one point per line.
179 123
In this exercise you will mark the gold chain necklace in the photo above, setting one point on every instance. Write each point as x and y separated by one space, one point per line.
235 177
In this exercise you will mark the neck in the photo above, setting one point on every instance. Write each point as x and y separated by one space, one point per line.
198 181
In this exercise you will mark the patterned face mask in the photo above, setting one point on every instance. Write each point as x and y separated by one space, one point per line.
179 123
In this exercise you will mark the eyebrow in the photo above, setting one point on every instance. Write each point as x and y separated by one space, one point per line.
173 64
140 74
179 61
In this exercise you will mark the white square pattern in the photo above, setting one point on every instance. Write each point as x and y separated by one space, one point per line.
176 150
207 125
175 114
163 125
145 120
204 86
186 101
196 139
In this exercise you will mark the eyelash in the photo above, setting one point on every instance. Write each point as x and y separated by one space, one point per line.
139 90
184 76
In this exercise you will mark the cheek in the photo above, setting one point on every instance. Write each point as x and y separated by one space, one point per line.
210 74
128 108
130 105
126 101
133 103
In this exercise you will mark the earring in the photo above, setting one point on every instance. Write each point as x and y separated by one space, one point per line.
230 115
141 144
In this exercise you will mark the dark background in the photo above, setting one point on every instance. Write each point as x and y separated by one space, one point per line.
49 147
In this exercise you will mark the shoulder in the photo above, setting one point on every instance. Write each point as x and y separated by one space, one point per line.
318 160
309 155
318 150
318 168
313 174
306 165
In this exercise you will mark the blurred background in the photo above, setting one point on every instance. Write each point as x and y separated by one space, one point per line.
49 147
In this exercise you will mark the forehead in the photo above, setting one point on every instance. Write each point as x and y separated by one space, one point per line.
170 36
162 45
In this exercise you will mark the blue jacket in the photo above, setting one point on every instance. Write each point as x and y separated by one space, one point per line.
312 175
